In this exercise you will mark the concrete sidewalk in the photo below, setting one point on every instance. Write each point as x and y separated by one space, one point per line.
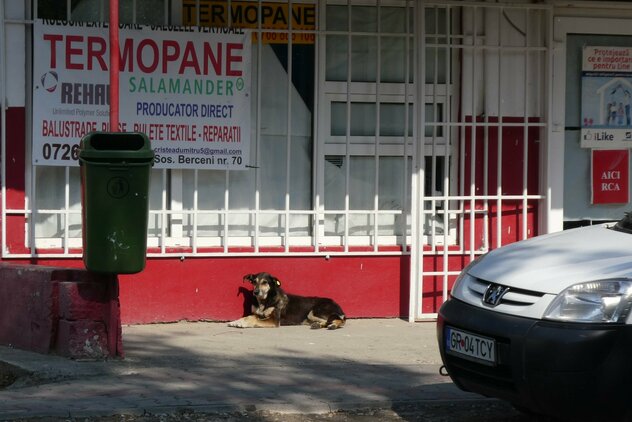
210 367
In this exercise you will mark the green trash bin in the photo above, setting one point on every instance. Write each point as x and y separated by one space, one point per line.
115 173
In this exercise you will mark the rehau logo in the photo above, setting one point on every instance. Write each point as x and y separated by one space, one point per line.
83 93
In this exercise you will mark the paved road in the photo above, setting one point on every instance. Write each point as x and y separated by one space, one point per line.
209 368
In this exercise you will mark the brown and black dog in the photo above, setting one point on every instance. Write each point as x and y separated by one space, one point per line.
274 307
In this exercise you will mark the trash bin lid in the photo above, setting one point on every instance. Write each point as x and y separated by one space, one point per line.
116 147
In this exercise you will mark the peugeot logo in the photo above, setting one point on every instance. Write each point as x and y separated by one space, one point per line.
494 293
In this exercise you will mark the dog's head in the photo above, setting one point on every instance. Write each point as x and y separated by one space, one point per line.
264 284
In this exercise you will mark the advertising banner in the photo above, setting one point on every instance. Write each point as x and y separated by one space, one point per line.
606 97
188 89
254 14
610 176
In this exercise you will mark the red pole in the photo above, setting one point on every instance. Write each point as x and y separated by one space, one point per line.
114 65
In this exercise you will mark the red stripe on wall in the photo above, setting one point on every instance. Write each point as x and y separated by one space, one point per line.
212 288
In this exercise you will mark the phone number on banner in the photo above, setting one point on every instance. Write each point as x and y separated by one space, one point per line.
164 157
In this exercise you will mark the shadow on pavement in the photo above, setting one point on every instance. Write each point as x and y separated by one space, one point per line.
204 367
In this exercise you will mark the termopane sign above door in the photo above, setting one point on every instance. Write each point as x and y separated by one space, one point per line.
255 15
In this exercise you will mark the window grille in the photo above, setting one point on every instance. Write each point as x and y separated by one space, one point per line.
484 187
367 127
386 127
280 204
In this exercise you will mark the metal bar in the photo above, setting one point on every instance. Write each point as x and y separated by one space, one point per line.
195 213
417 199
162 212
288 150
546 150
403 225
196 176
473 138
3 124
28 101
318 159
226 204
376 162
348 131
446 179
525 132
433 137
66 214
477 4
260 47
114 65
499 167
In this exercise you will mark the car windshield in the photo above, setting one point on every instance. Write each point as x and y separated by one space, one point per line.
625 224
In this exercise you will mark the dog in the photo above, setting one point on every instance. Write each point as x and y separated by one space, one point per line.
274 307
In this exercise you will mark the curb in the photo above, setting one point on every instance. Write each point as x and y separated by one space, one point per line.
319 408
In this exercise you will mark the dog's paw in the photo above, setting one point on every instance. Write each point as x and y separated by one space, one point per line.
237 324
336 325
315 326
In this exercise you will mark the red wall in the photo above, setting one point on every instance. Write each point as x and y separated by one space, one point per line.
212 288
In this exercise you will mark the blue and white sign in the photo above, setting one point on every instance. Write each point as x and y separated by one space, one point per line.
606 97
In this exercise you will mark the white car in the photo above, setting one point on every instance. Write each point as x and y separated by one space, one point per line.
546 324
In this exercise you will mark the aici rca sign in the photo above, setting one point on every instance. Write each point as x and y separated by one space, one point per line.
610 176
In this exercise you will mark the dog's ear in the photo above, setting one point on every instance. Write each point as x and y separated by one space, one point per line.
276 281
250 278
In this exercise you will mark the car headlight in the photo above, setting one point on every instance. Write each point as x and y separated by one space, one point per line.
600 301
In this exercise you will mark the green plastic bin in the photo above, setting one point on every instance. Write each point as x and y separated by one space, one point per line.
115 173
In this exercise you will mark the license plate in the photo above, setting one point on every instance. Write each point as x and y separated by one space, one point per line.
470 346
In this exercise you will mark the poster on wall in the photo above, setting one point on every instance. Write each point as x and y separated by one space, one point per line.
610 176
187 88
606 96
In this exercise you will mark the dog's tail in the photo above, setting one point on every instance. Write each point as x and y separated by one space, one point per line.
336 321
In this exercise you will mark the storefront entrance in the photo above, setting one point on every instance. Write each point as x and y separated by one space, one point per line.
484 188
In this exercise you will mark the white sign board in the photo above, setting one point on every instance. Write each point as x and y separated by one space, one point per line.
606 97
188 89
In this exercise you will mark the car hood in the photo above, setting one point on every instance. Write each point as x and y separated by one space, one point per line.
551 263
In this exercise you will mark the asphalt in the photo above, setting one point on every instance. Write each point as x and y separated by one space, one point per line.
210 367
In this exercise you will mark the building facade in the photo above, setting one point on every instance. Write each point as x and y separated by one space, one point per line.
369 150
